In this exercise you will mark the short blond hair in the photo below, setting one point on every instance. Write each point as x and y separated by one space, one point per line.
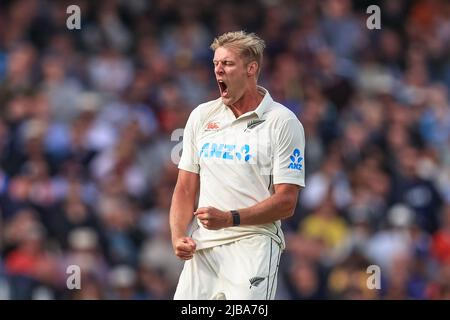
249 45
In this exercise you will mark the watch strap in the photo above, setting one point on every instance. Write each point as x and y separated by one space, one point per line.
236 217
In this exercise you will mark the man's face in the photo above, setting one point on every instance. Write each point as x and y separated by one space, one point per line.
231 74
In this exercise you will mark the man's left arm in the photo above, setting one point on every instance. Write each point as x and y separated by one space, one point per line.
278 206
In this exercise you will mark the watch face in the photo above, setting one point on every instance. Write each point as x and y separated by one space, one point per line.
236 218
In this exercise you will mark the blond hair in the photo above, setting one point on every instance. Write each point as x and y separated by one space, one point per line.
248 45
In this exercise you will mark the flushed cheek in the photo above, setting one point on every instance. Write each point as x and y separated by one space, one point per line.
232 92
237 89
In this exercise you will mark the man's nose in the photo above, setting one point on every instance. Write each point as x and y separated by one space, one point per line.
218 69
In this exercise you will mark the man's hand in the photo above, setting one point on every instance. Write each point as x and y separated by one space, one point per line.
184 248
214 219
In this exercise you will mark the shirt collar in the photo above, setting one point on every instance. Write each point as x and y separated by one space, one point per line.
265 103
262 108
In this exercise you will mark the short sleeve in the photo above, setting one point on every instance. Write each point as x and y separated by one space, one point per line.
189 157
289 159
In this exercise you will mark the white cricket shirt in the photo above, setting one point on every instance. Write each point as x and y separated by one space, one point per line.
240 159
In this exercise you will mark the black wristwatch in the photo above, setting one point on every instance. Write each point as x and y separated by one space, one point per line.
236 217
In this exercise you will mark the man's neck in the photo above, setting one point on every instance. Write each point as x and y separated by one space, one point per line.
249 102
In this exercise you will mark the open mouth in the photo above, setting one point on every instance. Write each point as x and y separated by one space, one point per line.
223 88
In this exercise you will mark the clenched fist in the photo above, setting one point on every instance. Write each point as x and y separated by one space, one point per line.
184 248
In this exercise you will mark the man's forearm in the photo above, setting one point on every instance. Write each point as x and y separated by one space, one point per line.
181 213
276 207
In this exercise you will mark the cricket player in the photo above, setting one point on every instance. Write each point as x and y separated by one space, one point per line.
243 159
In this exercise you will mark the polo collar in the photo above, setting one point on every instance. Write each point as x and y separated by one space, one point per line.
263 106
265 103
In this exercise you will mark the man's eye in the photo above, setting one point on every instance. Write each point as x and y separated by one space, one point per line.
225 63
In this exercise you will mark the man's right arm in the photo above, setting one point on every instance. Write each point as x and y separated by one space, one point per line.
182 212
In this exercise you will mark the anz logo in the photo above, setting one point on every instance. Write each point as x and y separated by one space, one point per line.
225 151
296 160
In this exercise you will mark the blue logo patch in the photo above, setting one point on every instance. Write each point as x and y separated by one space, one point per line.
296 160
225 151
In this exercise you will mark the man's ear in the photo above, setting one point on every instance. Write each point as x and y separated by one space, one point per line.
252 68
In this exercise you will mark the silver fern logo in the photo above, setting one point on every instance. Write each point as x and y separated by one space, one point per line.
253 123
255 281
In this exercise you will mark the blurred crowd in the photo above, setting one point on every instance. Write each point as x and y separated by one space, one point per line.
86 139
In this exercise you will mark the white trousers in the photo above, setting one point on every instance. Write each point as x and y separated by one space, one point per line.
242 270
